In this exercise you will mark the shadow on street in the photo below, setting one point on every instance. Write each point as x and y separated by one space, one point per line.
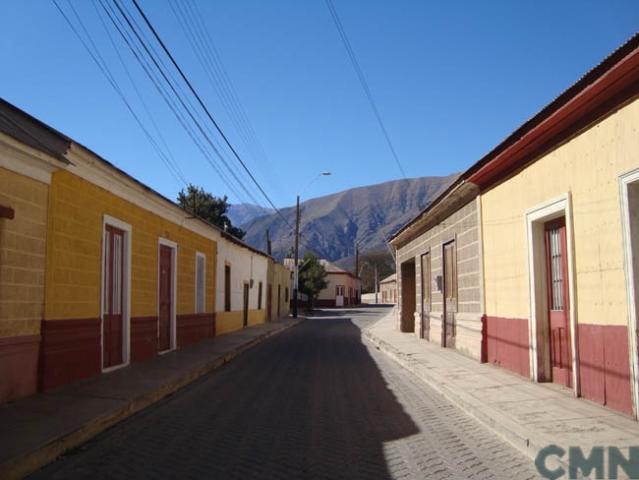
310 403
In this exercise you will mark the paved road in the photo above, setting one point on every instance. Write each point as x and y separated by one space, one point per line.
312 403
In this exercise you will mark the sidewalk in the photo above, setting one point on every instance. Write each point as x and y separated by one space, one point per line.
528 415
37 429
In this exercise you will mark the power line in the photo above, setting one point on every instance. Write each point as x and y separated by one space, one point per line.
130 22
224 85
363 82
140 97
118 90
206 110
157 83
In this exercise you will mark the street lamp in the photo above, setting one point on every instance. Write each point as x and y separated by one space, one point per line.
296 273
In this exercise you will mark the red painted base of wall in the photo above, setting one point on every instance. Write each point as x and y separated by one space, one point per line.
505 343
18 366
195 327
604 366
70 351
144 338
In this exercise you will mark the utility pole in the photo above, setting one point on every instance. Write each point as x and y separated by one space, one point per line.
376 284
296 270
357 259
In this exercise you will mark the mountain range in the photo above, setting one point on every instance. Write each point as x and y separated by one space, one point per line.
243 213
331 224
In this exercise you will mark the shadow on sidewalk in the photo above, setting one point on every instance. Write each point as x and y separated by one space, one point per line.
308 404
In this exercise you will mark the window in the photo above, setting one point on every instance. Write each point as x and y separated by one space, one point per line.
259 296
426 288
286 294
339 290
227 288
556 269
200 282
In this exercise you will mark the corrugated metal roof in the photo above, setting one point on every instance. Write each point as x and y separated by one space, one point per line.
587 79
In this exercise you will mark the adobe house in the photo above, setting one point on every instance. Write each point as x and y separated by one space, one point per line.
29 152
98 271
343 287
388 289
556 208
278 291
439 280
559 210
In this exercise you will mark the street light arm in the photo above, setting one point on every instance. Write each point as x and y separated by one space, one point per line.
313 180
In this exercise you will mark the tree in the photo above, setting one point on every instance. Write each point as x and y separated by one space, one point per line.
206 206
367 262
312 277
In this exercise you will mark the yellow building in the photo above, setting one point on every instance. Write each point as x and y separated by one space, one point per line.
559 213
129 274
242 278
278 291
98 270
29 153
558 249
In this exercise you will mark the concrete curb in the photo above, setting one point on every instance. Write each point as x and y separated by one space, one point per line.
28 463
509 431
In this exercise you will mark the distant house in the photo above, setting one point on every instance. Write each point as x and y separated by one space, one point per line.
344 288
388 289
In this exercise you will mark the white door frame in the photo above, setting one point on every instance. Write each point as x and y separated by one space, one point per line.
339 303
631 288
174 250
535 218
126 290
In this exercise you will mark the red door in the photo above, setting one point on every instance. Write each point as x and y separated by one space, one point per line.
166 296
558 305
113 294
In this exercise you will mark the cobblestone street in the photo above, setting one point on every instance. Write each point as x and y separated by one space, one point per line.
314 402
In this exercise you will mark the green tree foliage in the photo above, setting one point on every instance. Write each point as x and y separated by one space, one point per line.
367 262
312 277
200 203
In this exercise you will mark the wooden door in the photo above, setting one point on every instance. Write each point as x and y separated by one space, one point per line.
558 305
450 294
165 298
426 291
245 305
113 294
269 302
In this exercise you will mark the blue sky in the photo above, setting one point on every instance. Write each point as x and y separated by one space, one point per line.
451 79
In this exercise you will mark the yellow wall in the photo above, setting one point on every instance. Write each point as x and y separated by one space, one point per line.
257 316
589 167
278 274
226 322
22 254
74 249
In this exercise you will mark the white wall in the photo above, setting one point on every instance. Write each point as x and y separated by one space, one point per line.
245 265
